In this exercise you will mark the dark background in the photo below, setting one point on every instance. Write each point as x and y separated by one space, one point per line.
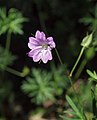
60 19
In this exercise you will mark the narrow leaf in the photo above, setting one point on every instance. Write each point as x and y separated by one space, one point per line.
71 103
93 75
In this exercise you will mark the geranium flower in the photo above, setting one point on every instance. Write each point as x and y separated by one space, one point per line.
41 47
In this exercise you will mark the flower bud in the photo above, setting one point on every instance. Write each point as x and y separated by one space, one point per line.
87 40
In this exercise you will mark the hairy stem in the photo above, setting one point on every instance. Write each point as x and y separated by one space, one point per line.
79 57
58 56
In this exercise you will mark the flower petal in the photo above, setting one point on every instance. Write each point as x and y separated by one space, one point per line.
43 37
32 39
51 42
31 46
49 55
40 35
41 47
37 56
34 51
46 55
33 42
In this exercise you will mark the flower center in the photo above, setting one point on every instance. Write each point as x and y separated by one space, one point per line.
44 46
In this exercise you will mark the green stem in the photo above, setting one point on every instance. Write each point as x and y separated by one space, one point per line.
80 69
8 41
81 52
14 72
58 56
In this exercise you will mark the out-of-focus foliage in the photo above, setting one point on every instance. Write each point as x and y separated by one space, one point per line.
38 86
11 21
93 75
83 90
6 95
2 118
83 108
43 86
91 19
76 114
6 58
90 53
93 79
5 91
59 80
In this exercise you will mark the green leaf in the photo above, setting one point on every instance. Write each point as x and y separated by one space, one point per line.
38 87
6 58
86 20
96 11
3 13
12 21
92 75
71 103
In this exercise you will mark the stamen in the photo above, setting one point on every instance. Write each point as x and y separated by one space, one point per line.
45 46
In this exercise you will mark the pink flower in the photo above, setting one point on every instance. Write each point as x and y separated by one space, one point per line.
41 47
